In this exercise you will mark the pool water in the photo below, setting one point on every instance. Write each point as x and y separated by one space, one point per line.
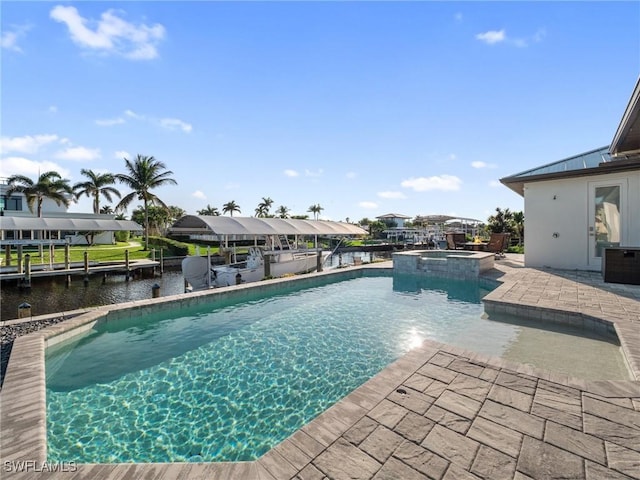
228 382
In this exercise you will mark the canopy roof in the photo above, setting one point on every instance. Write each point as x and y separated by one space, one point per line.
219 225
67 224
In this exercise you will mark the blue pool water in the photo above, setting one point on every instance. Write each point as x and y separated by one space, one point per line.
228 382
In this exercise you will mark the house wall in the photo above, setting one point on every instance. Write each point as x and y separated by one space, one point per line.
568 217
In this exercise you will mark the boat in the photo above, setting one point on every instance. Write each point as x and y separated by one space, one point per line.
200 274
278 249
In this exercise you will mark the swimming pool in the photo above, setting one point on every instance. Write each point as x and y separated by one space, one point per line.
227 382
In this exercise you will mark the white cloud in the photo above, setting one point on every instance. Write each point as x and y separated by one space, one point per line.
111 34
78 154
132 114
492 36
24 166
443 183
121 154
199 194
291 173
351 175
174 123
497 36
9 40
26 144
109 122
11 35
458 17
392 195
480 164
310 173
368 205
452 156
53 109
494 183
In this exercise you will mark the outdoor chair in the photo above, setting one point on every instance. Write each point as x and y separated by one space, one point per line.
498 243
456 241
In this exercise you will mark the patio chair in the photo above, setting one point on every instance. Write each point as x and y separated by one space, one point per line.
456 241
498 243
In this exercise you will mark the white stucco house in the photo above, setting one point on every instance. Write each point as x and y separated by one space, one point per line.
577 207
18 224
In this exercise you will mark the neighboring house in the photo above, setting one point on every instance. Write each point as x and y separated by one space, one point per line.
15 207
17 203
394 218
576 207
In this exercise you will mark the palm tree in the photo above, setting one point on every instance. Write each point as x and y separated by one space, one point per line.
98 184
106 210
231 207
263 207
315 209
145 174
282 212
501 221
48 185
209 210
518 224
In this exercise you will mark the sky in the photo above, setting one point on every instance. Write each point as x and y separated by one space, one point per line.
365 108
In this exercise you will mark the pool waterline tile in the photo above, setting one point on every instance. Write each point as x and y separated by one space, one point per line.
13 434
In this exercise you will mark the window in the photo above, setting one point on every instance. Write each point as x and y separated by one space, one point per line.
13 203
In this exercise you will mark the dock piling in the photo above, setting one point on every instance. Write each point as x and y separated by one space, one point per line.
26 282
126 265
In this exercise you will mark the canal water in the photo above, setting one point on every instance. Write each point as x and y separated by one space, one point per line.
52 295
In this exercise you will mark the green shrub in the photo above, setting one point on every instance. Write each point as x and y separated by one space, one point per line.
122 235
173 248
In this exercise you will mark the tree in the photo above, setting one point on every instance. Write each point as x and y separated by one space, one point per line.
48 185
144 174
518 226
99 184
315 209
376 228
106 210
282 212
209 210
501 222
231 207
263 207
160 218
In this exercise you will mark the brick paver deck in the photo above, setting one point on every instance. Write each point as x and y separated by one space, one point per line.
439 412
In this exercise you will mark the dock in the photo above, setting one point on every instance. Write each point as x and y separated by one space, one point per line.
77 268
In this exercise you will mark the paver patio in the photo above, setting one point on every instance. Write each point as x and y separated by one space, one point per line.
439 412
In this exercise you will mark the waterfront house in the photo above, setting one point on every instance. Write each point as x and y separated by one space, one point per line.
577 207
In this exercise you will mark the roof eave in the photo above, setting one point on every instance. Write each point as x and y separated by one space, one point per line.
626 141
516 183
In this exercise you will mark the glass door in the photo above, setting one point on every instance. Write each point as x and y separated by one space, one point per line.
605 220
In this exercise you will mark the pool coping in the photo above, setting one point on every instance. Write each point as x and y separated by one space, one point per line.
23 396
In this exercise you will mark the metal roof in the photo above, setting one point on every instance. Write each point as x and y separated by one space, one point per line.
67 224
220 225
626 141
593 162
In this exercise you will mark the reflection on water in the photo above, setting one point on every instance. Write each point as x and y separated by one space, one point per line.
462 290
49 295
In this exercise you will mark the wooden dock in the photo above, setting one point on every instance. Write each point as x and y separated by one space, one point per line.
77 268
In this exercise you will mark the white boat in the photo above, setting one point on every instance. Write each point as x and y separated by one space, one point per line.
200 274
271 254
